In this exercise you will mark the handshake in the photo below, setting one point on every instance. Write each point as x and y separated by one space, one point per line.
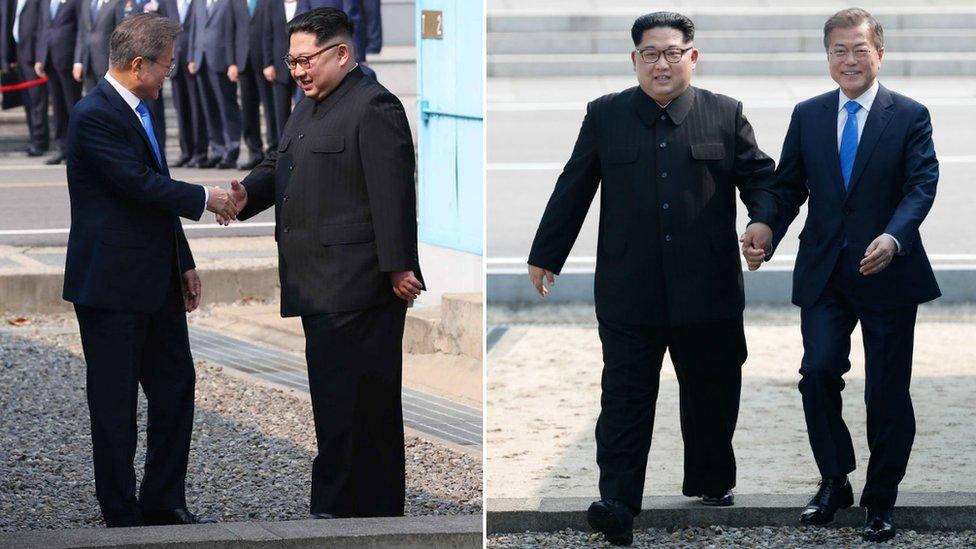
757 244
227 204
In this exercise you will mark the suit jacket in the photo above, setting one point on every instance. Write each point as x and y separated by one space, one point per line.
667 250
214 35
253 44
126 241
181 47
354 9
276 34
27 31
56 38
372 26
8 48
342 184
891 190
94 36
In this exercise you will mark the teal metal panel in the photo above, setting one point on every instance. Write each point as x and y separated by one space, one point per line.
450 89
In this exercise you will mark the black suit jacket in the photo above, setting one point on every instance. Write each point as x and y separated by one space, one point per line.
667 249
56 39
92 46
253 44
126 241
8 48
892 188
342 184
276 33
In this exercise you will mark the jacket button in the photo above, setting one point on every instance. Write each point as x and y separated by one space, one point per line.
664 175
663 144
667 238
664 117
291 168
285 230
301 136
286 198
665 206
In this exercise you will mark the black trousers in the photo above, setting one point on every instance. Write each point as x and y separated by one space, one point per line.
64 93
888 344
255 92
218 95
354 377
708 360
35 105
189 116
124 350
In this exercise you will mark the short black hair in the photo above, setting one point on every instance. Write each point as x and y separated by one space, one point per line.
324 23
669 19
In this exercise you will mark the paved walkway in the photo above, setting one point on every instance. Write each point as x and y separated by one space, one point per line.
544 385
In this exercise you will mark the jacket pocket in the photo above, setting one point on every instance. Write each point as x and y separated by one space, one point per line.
328 144
352 233
707 151
620 155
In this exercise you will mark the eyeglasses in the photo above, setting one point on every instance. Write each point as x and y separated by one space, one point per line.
305 60
169 71
841 54
671 55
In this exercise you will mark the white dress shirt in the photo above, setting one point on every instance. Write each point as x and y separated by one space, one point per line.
132 101
866 100
290 9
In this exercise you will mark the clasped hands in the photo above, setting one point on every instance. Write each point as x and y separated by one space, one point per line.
757 245
226 204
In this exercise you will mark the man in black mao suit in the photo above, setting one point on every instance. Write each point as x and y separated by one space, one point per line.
131 277
19 37
253 49
668 159
864 156
186 96
57 31
342 186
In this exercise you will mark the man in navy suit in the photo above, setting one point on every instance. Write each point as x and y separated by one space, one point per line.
131 277
864 157
57 30
18 34
186 98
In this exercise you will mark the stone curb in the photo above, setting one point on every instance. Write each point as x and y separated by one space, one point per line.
915 511
428 531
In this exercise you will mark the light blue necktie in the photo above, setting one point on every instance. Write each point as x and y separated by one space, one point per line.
848 142
147 124
54 8
20 8
251 6
182 8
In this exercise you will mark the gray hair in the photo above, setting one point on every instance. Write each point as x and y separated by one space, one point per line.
141 35
853 17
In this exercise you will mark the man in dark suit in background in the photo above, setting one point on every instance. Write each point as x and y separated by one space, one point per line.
212 50
253 49
19 31
283 87
668 159
343 190
131 277
96 22
372 26
57 31
864 156
190 116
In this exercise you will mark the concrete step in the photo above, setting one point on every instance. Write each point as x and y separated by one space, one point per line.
728 64
455 327
741 18
727 41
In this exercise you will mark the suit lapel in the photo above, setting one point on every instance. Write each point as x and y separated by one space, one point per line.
130 117
878 118
211 12
828 136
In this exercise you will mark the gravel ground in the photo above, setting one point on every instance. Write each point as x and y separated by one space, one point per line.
250 458
719 537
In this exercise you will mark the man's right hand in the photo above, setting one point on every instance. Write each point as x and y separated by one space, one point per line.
192 67
270 73
220 202
238 193
39 69
536 275
76 71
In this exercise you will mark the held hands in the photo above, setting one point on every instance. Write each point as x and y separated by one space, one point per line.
405 285
757 243
536 275
191 290
878 255
238 194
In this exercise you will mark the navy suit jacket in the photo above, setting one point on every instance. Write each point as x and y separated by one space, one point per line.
126 241
56 38
891 190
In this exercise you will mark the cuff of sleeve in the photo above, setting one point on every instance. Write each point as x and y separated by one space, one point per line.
206 197
897 244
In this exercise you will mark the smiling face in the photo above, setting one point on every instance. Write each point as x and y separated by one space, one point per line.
856 71
326 69
661 80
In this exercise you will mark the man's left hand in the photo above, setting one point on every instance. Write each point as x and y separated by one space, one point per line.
878 255
191 290
405 285
757 243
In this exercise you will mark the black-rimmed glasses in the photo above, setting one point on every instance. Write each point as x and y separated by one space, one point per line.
305 60
671 55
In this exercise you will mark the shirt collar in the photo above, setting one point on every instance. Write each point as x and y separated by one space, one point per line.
130 98
866 99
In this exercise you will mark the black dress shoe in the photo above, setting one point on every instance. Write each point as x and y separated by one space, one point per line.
33 151
251 164
224 165
880 525
183 161
614 519
174 516
55 160
207 163
834 494
724 500
321 516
